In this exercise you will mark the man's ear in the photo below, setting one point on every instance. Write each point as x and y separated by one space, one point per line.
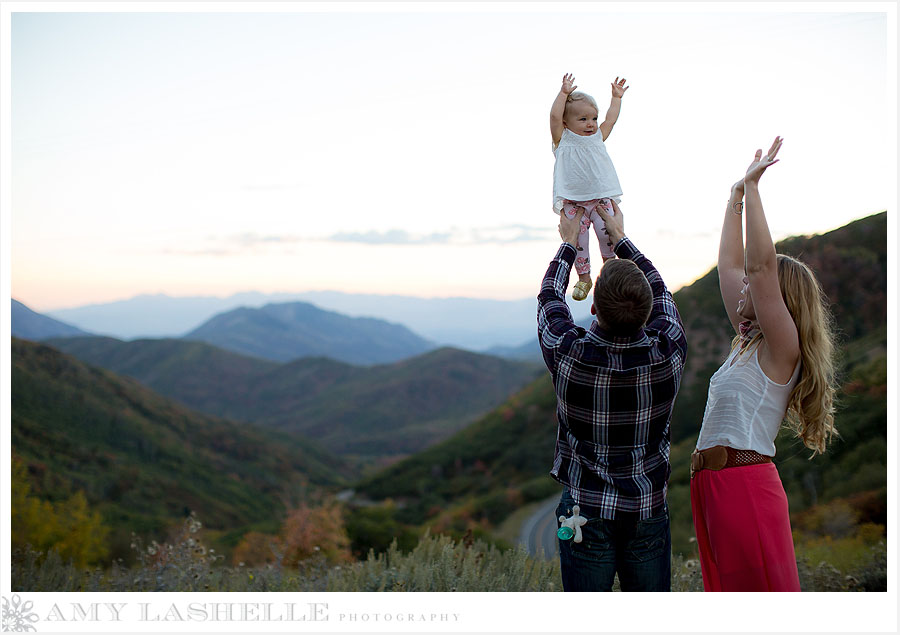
593 309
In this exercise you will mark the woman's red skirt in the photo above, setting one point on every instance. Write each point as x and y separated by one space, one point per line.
743 530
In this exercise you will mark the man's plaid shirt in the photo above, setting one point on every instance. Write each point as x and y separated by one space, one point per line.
614 396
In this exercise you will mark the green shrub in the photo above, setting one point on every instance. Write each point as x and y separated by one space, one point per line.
375 528
437 563
868 573
440 564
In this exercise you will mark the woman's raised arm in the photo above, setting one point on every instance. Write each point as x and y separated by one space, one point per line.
731 254
782 344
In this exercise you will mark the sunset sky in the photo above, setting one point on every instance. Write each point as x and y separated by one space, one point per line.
405 148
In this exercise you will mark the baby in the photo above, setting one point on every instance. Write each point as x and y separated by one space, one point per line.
583 175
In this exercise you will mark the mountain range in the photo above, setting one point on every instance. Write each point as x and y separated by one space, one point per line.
144 460
278 332
290 330
469 323
31 325
158 315
375 412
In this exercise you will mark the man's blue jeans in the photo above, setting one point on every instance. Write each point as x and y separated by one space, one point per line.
640 551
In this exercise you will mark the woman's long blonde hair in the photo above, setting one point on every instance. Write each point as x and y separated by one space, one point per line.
810 412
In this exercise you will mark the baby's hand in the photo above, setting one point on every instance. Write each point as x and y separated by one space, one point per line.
568 84
619 87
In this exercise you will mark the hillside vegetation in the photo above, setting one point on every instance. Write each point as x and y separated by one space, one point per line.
144 461
375 413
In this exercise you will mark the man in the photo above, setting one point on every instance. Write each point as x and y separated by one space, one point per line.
615 385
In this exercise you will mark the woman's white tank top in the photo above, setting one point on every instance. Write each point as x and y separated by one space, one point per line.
745 408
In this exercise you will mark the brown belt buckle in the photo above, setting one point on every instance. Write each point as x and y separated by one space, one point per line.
713 458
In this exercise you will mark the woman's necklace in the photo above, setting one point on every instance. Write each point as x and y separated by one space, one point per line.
749 329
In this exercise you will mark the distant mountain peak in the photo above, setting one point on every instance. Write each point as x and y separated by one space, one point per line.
289 330
31 325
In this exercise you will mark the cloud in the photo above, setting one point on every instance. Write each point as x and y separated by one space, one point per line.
249 239
236 244
455 236
212 251
270 187
515 234
390 237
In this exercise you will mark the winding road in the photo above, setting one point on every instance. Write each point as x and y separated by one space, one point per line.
538 534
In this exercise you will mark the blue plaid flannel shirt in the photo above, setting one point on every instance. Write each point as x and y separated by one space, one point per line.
614 394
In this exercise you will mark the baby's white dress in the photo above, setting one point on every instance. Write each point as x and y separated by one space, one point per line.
583 170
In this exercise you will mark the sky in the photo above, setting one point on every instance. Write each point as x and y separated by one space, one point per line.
405 149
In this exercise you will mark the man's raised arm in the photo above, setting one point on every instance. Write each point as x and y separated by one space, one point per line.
554 317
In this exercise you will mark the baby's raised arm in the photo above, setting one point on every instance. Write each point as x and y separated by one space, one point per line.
615 105
559 107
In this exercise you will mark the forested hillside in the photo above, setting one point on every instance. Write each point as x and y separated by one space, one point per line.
144 461
374 413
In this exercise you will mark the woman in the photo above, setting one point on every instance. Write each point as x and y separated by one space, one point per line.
780 366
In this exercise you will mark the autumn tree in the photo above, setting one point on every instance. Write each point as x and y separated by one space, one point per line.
68 527
307 532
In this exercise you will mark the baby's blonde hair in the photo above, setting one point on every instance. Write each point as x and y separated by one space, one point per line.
577 95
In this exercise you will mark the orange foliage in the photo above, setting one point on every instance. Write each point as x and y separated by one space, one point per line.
307 532
257 549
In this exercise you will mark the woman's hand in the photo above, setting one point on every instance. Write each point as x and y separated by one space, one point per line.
760 163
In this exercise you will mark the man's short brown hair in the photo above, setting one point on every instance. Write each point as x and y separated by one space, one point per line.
622 297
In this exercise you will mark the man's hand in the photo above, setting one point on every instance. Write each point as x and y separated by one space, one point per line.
568 84
615 225
569 228
619 88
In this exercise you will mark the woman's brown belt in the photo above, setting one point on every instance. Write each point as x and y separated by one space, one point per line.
721 456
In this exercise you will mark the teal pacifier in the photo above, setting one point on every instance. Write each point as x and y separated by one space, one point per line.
571 527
